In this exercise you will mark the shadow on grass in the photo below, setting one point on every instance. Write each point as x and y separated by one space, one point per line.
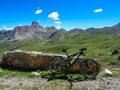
71 78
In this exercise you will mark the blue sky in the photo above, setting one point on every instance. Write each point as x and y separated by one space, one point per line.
66 14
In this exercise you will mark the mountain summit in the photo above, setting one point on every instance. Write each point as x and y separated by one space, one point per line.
50 33
36 27
20 33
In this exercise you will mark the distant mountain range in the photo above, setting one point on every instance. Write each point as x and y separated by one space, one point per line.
50 34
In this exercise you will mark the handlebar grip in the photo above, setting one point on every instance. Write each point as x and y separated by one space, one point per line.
83 49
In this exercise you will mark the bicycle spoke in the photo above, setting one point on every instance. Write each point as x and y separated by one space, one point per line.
89 68
57 64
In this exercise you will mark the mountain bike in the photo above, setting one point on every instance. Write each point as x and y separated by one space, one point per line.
89 68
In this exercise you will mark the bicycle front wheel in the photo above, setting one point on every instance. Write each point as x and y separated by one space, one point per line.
89 68
57 65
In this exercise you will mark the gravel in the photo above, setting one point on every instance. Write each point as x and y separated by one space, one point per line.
38 83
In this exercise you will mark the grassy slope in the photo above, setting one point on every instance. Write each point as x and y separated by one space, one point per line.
4 46
99 47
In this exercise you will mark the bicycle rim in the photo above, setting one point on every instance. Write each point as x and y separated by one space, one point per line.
57 65
89 68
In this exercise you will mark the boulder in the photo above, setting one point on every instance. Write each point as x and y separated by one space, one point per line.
26 60
31 60
115 52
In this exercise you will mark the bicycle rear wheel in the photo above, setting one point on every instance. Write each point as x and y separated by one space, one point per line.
89 68
57 65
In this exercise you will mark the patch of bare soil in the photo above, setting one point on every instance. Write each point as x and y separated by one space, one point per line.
38 83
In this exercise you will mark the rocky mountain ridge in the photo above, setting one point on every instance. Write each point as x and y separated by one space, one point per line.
21 33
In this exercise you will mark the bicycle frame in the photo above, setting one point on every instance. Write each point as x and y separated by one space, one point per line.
71 57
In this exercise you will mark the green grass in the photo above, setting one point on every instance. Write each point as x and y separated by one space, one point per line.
4 46
14 73
98 46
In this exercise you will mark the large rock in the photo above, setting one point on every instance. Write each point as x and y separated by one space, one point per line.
26 60
31 60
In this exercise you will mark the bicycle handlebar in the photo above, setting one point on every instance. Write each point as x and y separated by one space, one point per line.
81 51
65 49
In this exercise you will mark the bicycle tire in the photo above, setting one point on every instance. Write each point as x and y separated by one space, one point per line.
90 71
57 65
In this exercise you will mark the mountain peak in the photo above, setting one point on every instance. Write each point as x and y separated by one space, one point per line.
51 28
35 26
35 23
20 33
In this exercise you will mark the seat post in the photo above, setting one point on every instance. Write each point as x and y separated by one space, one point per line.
67 54
65 50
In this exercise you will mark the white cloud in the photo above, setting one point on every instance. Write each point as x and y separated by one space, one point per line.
5 28
20 25
58 23
54 16
38 11
38 20
58 26
98 10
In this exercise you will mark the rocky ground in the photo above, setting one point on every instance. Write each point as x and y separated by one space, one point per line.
107 79
38 83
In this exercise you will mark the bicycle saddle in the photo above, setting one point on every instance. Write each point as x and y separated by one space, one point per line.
64 49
